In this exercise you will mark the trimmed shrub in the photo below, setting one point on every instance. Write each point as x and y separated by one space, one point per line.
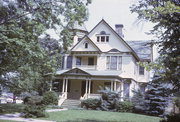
50 98
91 103
33 100
124 106
34 111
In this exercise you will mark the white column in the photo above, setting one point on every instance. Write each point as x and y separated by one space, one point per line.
66 85
50 86
86 85
111 85
63 85
115 86
122 90
89 87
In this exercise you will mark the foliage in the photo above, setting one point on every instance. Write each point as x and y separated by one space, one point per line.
109 99
172 118
139 102
166 16
124 106
23 61
34 107
90 103
157 97
11 108
50 98
31 111
177 102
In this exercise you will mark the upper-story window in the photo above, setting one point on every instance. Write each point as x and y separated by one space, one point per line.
102 37
141 70
86 45
114 62
78 60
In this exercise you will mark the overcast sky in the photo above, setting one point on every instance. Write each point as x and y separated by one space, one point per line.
118 12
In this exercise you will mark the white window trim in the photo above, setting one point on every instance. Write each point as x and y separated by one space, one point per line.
104 38
119 63
139 71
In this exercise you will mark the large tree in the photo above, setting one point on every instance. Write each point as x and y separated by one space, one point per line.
23 61
166 16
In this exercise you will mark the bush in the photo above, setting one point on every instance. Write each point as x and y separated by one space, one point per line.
172 118
11 108
50 98
91 103
124 106
33 100
34 111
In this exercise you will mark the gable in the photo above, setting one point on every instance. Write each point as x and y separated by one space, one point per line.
115 41
76 71
85 44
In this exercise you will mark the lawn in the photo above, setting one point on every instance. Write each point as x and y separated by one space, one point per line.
97 116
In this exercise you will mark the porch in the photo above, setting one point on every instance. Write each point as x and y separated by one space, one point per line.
80 88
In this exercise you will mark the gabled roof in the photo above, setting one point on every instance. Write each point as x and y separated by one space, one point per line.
133 52
86 37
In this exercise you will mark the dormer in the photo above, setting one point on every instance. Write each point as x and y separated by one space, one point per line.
102 37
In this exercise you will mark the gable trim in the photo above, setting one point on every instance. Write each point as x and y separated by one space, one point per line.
133 52
89 40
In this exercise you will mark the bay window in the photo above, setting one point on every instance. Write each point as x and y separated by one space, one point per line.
114 62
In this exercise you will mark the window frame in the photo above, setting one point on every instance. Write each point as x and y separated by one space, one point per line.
86 45
118 63
141 70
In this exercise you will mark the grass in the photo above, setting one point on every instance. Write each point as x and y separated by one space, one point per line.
98 116
11 108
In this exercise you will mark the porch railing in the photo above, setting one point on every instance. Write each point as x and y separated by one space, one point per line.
62 97
94 96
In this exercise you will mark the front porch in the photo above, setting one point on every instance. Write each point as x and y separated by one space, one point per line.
82 87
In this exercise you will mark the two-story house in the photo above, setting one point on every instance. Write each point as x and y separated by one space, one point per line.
101 58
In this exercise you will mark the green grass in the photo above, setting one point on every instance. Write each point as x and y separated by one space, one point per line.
11 108
7 121
97 116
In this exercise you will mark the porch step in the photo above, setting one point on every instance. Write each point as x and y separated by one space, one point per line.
70 104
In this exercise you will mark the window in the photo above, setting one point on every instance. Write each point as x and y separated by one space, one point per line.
86 45
91 61
102 38
113 65
141 70
79 39
107 38
98 38
114 62
78 61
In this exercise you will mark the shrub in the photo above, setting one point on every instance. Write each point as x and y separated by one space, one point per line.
50 98
11 108
91 103
34 111
172 118
124 106
37 100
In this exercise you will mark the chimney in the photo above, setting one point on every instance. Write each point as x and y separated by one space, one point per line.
118 28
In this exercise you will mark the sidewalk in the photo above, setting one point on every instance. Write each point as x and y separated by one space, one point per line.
16 117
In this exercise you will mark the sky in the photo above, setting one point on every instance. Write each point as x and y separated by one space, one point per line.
118 12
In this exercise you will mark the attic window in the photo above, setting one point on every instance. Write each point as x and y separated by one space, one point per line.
86 45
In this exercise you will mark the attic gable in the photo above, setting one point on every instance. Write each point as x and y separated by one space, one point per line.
86 44
115 41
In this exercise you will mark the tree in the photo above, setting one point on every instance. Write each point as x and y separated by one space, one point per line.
157 97
23 61
166 15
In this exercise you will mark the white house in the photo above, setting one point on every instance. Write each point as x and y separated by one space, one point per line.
102 58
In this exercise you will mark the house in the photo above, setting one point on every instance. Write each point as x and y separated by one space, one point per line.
102 58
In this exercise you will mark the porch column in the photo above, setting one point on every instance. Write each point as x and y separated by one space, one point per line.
66 84
63 85
89 91
122 90
50 86
115 86
86 85
111 85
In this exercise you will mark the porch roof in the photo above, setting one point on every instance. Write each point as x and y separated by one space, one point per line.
89 72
